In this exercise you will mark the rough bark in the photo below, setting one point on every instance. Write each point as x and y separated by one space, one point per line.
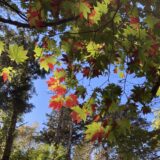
68 156
10 136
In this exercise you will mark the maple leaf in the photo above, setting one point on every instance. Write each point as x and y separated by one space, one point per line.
94 131
17 53
60 74
98 135
78 46
91 16
60 90
56 102
71 100
154 49
51 66
115 70
84 9
121 75
54 85
38 52
35 17
1 47
52 81
46 61
96 118
81 112
5 76
158 92
86 71
75 117
7 73
134 20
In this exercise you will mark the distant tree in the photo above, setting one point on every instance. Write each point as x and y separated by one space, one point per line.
59 130
15 96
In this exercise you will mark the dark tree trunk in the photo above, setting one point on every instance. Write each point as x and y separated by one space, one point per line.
10 136
64 131
68 156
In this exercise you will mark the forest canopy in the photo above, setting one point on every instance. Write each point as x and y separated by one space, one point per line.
103 58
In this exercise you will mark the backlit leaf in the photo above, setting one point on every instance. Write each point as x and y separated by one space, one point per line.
17 53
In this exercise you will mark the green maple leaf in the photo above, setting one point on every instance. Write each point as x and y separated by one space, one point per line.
1 47
10 72
92 48
84 9
59 74
17 53
100 9
151 21
121 74
47 60
38 51
158 92
81 112
92 129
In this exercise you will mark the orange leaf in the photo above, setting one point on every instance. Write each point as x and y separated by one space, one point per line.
75 117
71 100
5 76
56 102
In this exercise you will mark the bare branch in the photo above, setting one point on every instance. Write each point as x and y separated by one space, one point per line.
45 24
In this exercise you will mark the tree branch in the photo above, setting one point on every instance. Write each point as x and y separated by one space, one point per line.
46 24
13 9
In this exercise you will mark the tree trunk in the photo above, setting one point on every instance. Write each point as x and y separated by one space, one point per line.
10 136
68 156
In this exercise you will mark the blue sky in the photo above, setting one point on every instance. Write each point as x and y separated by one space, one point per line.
41 99
41 102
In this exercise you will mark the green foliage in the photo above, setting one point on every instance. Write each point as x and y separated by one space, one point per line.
45 61
42 152
156 121
88 39
92 129
84 9
38 51
1 47
17 53
158 92
81 112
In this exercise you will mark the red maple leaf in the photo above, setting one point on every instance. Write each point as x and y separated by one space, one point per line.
60 90
52 81
93 107
154 49
134 20
42 59
86 71
96 118
115 70
75 117
71 100
81 15
39 23
90 17
5 76
98 135
78 45
51 66
34 17
56 102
